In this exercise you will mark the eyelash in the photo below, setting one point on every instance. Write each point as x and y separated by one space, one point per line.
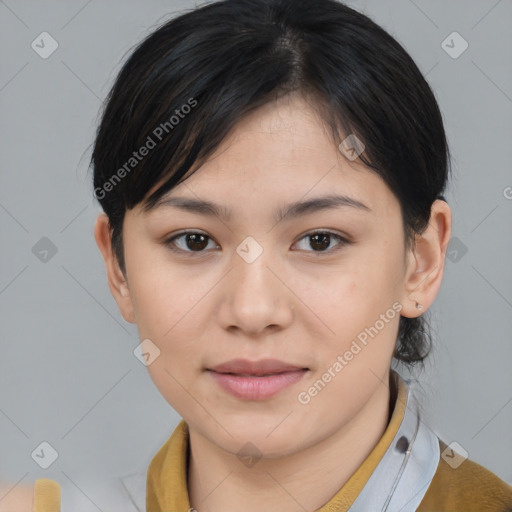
342 241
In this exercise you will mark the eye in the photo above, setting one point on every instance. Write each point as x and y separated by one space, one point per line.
196 241
193 240
320 240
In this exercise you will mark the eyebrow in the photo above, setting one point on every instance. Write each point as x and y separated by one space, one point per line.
292 210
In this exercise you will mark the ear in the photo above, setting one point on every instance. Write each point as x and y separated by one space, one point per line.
117 281
426 261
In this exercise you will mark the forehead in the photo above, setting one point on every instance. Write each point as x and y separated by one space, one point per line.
279 154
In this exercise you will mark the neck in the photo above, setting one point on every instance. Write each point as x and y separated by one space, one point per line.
304 480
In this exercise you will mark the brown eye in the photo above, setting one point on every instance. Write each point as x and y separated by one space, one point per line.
190 241
320 241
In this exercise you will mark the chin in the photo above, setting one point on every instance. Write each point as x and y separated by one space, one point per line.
275 439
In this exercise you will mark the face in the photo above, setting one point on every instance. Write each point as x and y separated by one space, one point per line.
320 288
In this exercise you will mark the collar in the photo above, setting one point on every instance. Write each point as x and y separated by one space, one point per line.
403 475
394 476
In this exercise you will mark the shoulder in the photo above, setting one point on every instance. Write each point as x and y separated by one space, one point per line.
46 495
460 484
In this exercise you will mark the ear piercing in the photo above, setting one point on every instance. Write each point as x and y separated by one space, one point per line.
418 306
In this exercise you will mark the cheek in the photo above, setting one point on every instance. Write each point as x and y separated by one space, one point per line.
160 294
349 298
376 269
167 306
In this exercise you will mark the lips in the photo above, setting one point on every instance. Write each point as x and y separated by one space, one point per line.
245 367
256 380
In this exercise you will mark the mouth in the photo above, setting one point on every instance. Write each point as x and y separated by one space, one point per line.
256 374
261 368
257 385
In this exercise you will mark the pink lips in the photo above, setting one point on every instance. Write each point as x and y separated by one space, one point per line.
256 380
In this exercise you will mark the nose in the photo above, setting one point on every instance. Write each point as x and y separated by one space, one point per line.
255 298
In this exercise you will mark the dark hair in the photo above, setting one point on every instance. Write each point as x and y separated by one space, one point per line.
189 82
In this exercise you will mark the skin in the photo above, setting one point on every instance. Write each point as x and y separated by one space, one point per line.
16 498
295 302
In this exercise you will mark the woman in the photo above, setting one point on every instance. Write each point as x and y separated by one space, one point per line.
271 173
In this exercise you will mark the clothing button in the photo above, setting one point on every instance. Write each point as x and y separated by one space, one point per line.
402 444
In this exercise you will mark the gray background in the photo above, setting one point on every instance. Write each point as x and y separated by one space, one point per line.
68 374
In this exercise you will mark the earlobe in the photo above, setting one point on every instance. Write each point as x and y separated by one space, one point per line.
117 281
426 262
